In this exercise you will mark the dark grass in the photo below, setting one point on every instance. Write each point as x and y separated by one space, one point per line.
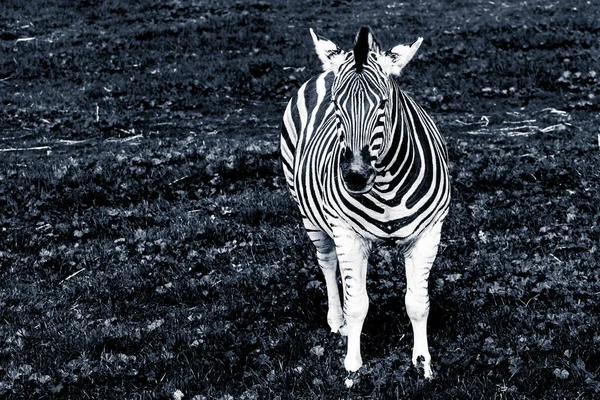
135 266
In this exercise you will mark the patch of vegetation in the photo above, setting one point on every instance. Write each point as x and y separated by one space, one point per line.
150 248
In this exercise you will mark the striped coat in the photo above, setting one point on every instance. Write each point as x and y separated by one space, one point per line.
411 190
365 162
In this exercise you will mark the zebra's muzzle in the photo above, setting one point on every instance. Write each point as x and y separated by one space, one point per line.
357 173
359 182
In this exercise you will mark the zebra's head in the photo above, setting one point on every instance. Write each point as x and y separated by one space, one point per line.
362 97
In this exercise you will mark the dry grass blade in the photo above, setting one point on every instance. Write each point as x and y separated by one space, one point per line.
71 142
25 149
513 124
552 128
74 274
123 140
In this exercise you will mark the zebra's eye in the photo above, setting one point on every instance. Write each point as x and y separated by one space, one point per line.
382 103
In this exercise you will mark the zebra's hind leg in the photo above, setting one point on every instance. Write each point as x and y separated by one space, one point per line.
327 258
418 262
352 252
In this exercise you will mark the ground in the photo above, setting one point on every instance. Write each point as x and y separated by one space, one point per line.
150 249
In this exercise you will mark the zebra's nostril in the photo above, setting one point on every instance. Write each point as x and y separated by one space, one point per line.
355 179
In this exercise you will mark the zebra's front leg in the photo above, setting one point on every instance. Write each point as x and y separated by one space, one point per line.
353 253
328 262
418 261
327 259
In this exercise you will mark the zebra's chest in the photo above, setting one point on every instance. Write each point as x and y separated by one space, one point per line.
375 219
323 200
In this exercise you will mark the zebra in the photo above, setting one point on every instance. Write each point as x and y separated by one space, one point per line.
365 163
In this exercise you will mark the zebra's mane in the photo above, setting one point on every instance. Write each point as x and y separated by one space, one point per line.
362 47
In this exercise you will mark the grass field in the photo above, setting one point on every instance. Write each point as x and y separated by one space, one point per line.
150 248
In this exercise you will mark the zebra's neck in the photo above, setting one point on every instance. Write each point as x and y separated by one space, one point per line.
412 157
407 156
399 156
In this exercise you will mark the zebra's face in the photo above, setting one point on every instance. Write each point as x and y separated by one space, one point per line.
360 105
362 97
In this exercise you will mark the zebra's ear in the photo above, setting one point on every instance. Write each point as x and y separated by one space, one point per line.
330 55
394 60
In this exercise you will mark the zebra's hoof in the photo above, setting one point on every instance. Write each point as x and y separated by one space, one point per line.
421 363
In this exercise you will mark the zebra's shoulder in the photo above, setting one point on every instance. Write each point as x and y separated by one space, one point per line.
317 84
313 94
